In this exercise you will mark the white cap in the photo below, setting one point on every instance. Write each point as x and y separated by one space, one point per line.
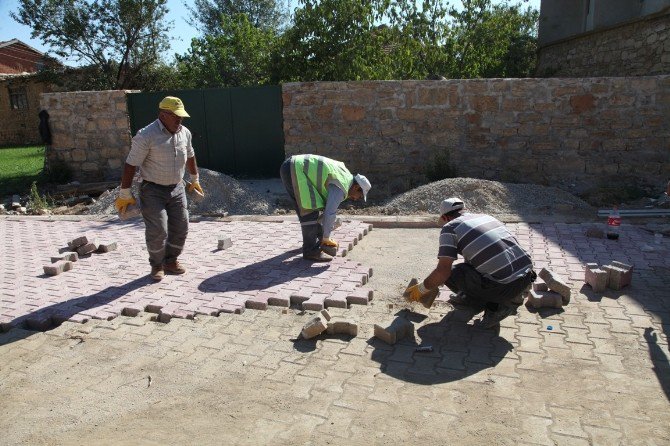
365 185
451 204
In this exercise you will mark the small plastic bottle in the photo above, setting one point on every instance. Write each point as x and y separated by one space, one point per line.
613 223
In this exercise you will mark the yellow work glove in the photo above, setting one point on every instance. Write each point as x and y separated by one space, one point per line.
195 185
330 242
415 292
124 200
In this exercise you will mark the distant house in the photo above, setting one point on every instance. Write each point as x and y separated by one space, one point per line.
20 91
583 38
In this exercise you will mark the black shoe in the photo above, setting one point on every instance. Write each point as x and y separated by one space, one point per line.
492 318
461 302
317 256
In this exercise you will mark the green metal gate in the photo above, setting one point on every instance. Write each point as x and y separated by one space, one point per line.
237 131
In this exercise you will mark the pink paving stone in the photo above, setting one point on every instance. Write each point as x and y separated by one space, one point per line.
360 296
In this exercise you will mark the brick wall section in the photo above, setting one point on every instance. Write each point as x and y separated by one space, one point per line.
91 132
20 127
551 131
638 48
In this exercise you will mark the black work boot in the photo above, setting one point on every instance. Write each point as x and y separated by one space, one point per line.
317 256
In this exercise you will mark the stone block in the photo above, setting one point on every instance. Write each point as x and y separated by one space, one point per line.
544 299
596 278
394 330
595 232
88 248
316 326
540 286
225 242
556 284
69 257
76 243
107 247
340 325
57 268
619 276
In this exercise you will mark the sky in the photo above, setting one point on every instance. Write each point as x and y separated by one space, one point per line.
182 32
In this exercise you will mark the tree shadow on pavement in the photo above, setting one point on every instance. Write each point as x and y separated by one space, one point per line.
53 315
261 275
459 349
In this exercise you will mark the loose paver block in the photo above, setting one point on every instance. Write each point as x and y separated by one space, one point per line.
225 242
619 275
69 257
316 326
76 243
88 248
555 283
394 331
340 325
596 278
540 286
57 268
544 299
107 247
428 299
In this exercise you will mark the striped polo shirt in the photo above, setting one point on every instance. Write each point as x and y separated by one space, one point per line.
487 245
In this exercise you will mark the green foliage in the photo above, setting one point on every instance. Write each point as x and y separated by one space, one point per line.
19 167
241 55
440 169
206 15
118 39
38 202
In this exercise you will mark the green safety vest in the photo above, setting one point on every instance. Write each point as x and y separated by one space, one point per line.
311 175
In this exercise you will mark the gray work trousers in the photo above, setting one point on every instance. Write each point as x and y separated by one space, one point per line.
312 231
464 277
166 220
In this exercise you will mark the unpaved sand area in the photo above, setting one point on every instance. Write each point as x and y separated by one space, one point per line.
594 373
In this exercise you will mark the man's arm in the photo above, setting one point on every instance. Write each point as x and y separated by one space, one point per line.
127 176
440 274
192 166
335 197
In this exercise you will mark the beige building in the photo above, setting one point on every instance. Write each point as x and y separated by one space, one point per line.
588 38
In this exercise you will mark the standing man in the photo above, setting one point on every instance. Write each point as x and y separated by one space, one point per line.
161 150
317 183
496 271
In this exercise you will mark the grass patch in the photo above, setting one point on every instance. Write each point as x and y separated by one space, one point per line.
19 168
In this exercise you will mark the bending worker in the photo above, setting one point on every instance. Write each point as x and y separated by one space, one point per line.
317 183
162 150
496 271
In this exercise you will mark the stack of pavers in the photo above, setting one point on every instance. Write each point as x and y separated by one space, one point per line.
333 325
615 276
554 292
79 247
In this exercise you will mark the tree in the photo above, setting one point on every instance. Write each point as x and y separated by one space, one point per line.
206 15
240 56
121 39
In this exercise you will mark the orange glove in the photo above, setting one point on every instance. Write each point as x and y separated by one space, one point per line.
330 242
124 200
415 292
195 185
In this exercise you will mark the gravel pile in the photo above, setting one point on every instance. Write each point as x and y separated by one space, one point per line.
226 194
484 196
222 194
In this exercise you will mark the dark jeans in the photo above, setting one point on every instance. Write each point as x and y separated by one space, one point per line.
464 277
166 220
312 231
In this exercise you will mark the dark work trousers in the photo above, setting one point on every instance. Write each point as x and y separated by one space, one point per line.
464 277
312 231
166 220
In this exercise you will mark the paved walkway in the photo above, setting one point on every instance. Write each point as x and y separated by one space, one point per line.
596 372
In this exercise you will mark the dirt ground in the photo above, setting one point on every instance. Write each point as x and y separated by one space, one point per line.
246 379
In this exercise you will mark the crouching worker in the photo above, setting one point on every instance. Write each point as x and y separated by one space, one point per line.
316 183
496 271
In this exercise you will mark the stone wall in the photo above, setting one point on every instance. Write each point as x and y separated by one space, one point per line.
637 48
571 133
20 127
91 132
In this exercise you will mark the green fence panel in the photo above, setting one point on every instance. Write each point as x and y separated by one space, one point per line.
237 131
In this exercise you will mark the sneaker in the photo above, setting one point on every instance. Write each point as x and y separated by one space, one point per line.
317 256
174 268
157 273
492 318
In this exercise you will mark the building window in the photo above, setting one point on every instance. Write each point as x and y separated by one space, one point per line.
18 99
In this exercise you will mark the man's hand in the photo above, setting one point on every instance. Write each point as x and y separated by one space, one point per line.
330 242
195 185
415 292
124 200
